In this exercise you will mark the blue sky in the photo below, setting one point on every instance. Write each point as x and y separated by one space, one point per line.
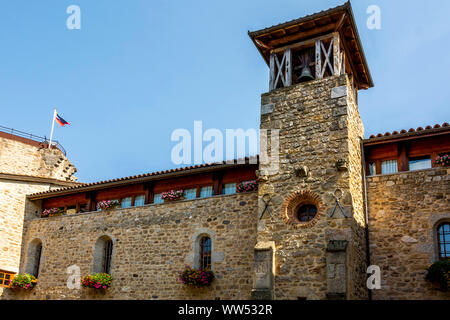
139 69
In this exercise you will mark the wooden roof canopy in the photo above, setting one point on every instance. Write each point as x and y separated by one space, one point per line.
339 19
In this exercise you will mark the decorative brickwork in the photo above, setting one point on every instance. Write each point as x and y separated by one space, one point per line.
297 199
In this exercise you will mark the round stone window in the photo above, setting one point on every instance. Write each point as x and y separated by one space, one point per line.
302 209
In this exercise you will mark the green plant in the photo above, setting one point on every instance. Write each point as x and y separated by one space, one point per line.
196 278
50 212
443 161
172 195
23 281
439 272
97 281
247 186
107 204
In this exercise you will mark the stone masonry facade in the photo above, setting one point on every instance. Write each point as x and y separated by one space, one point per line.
405 209
24 169
259 249
25 159
151 246
320 127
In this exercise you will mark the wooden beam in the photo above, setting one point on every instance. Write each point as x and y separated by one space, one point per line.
337 55
288 68
149 195
327 57
306 43
350 60
272 72
301 35
217 183
318 59
91 201
341 21
402 162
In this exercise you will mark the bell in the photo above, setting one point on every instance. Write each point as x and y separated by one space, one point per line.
306 74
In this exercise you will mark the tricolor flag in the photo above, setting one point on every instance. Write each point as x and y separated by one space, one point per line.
60 120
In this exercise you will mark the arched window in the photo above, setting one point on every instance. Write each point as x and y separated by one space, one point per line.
443 237
103 254
34 257
205 253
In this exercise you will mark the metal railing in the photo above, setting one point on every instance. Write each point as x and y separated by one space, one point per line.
33 137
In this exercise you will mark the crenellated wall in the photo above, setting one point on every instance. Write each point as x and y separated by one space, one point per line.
25 157
404 210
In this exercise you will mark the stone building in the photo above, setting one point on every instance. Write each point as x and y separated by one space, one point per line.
26 166
335 204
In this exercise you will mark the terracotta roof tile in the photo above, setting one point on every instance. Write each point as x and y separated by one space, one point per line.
412 130
151 174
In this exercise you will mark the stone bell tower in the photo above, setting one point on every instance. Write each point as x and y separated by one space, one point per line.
311 232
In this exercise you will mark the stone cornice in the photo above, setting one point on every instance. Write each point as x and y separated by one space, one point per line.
26 178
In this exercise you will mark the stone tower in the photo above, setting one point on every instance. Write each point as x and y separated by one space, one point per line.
311 233
27 166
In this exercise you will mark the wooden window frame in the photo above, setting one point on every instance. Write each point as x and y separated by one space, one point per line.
439 243
108 256
205 256
385 160
3 278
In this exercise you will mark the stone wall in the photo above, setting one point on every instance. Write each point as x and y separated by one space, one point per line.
404 209
27 159
152 244
319 152
12 207
24 169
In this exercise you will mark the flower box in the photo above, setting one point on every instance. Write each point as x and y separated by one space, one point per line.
443 161
23 282
172 195
196 278
98 281
247 186
52 212
439 275
107 204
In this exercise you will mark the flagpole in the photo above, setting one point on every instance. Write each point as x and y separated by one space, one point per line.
53 127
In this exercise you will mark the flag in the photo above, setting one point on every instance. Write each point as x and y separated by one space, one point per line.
60 120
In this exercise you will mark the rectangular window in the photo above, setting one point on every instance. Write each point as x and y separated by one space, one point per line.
190 193
388 167
206 192
157 198
83 207
126 202
139 201
229 188
419 163
5 278
372 169
71 209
